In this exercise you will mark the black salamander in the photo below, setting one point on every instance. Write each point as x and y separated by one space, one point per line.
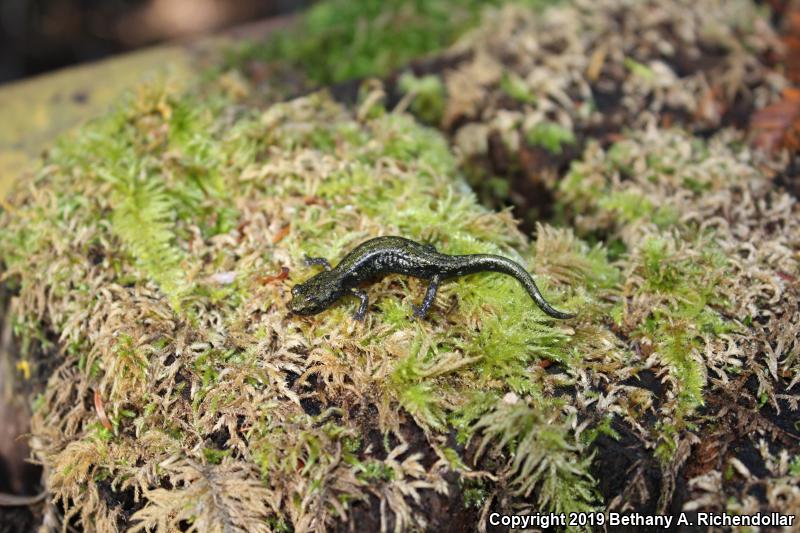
397 255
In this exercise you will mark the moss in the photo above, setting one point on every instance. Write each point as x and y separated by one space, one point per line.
427 96
682 281
180 216
211 389
376 470
629 207
551 136
339 40
214 456
475 494
638 69
794 466
602 428
516 88
539 446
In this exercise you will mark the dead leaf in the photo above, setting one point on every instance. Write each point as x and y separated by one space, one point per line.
777 126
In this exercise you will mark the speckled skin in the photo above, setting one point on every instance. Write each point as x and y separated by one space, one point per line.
397 255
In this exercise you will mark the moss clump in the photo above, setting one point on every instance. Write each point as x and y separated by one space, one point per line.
168 311
427 96
551 136
539 450
677 274
555 78
689 303
340 40
515 87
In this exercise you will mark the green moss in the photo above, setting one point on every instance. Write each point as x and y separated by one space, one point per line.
516 88
551 136
543 458
338 40
427 96
630 206
474 494
196 344
508 344
794 466
142 220
375 471
687 286
603 428
648 195
156 159
638 69
416 394
215 456
476 405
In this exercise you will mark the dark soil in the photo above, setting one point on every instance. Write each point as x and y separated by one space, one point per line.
17 519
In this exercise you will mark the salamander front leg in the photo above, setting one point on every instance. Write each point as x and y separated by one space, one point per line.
430 295
362 308
321 261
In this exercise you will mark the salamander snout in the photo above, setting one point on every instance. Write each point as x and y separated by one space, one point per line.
312 297
303 302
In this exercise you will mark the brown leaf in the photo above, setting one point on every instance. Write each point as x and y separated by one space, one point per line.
281 234
280 276
777 126
792 43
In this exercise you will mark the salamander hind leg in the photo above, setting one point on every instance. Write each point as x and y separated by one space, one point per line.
321 261
430 295
362 308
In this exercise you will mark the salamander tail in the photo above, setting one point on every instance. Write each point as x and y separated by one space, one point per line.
495 263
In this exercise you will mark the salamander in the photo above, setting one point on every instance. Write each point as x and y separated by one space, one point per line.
377 257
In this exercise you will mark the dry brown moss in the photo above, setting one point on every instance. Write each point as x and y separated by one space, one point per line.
709 249
612 64
525 88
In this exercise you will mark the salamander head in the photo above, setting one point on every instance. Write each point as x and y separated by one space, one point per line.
315 295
